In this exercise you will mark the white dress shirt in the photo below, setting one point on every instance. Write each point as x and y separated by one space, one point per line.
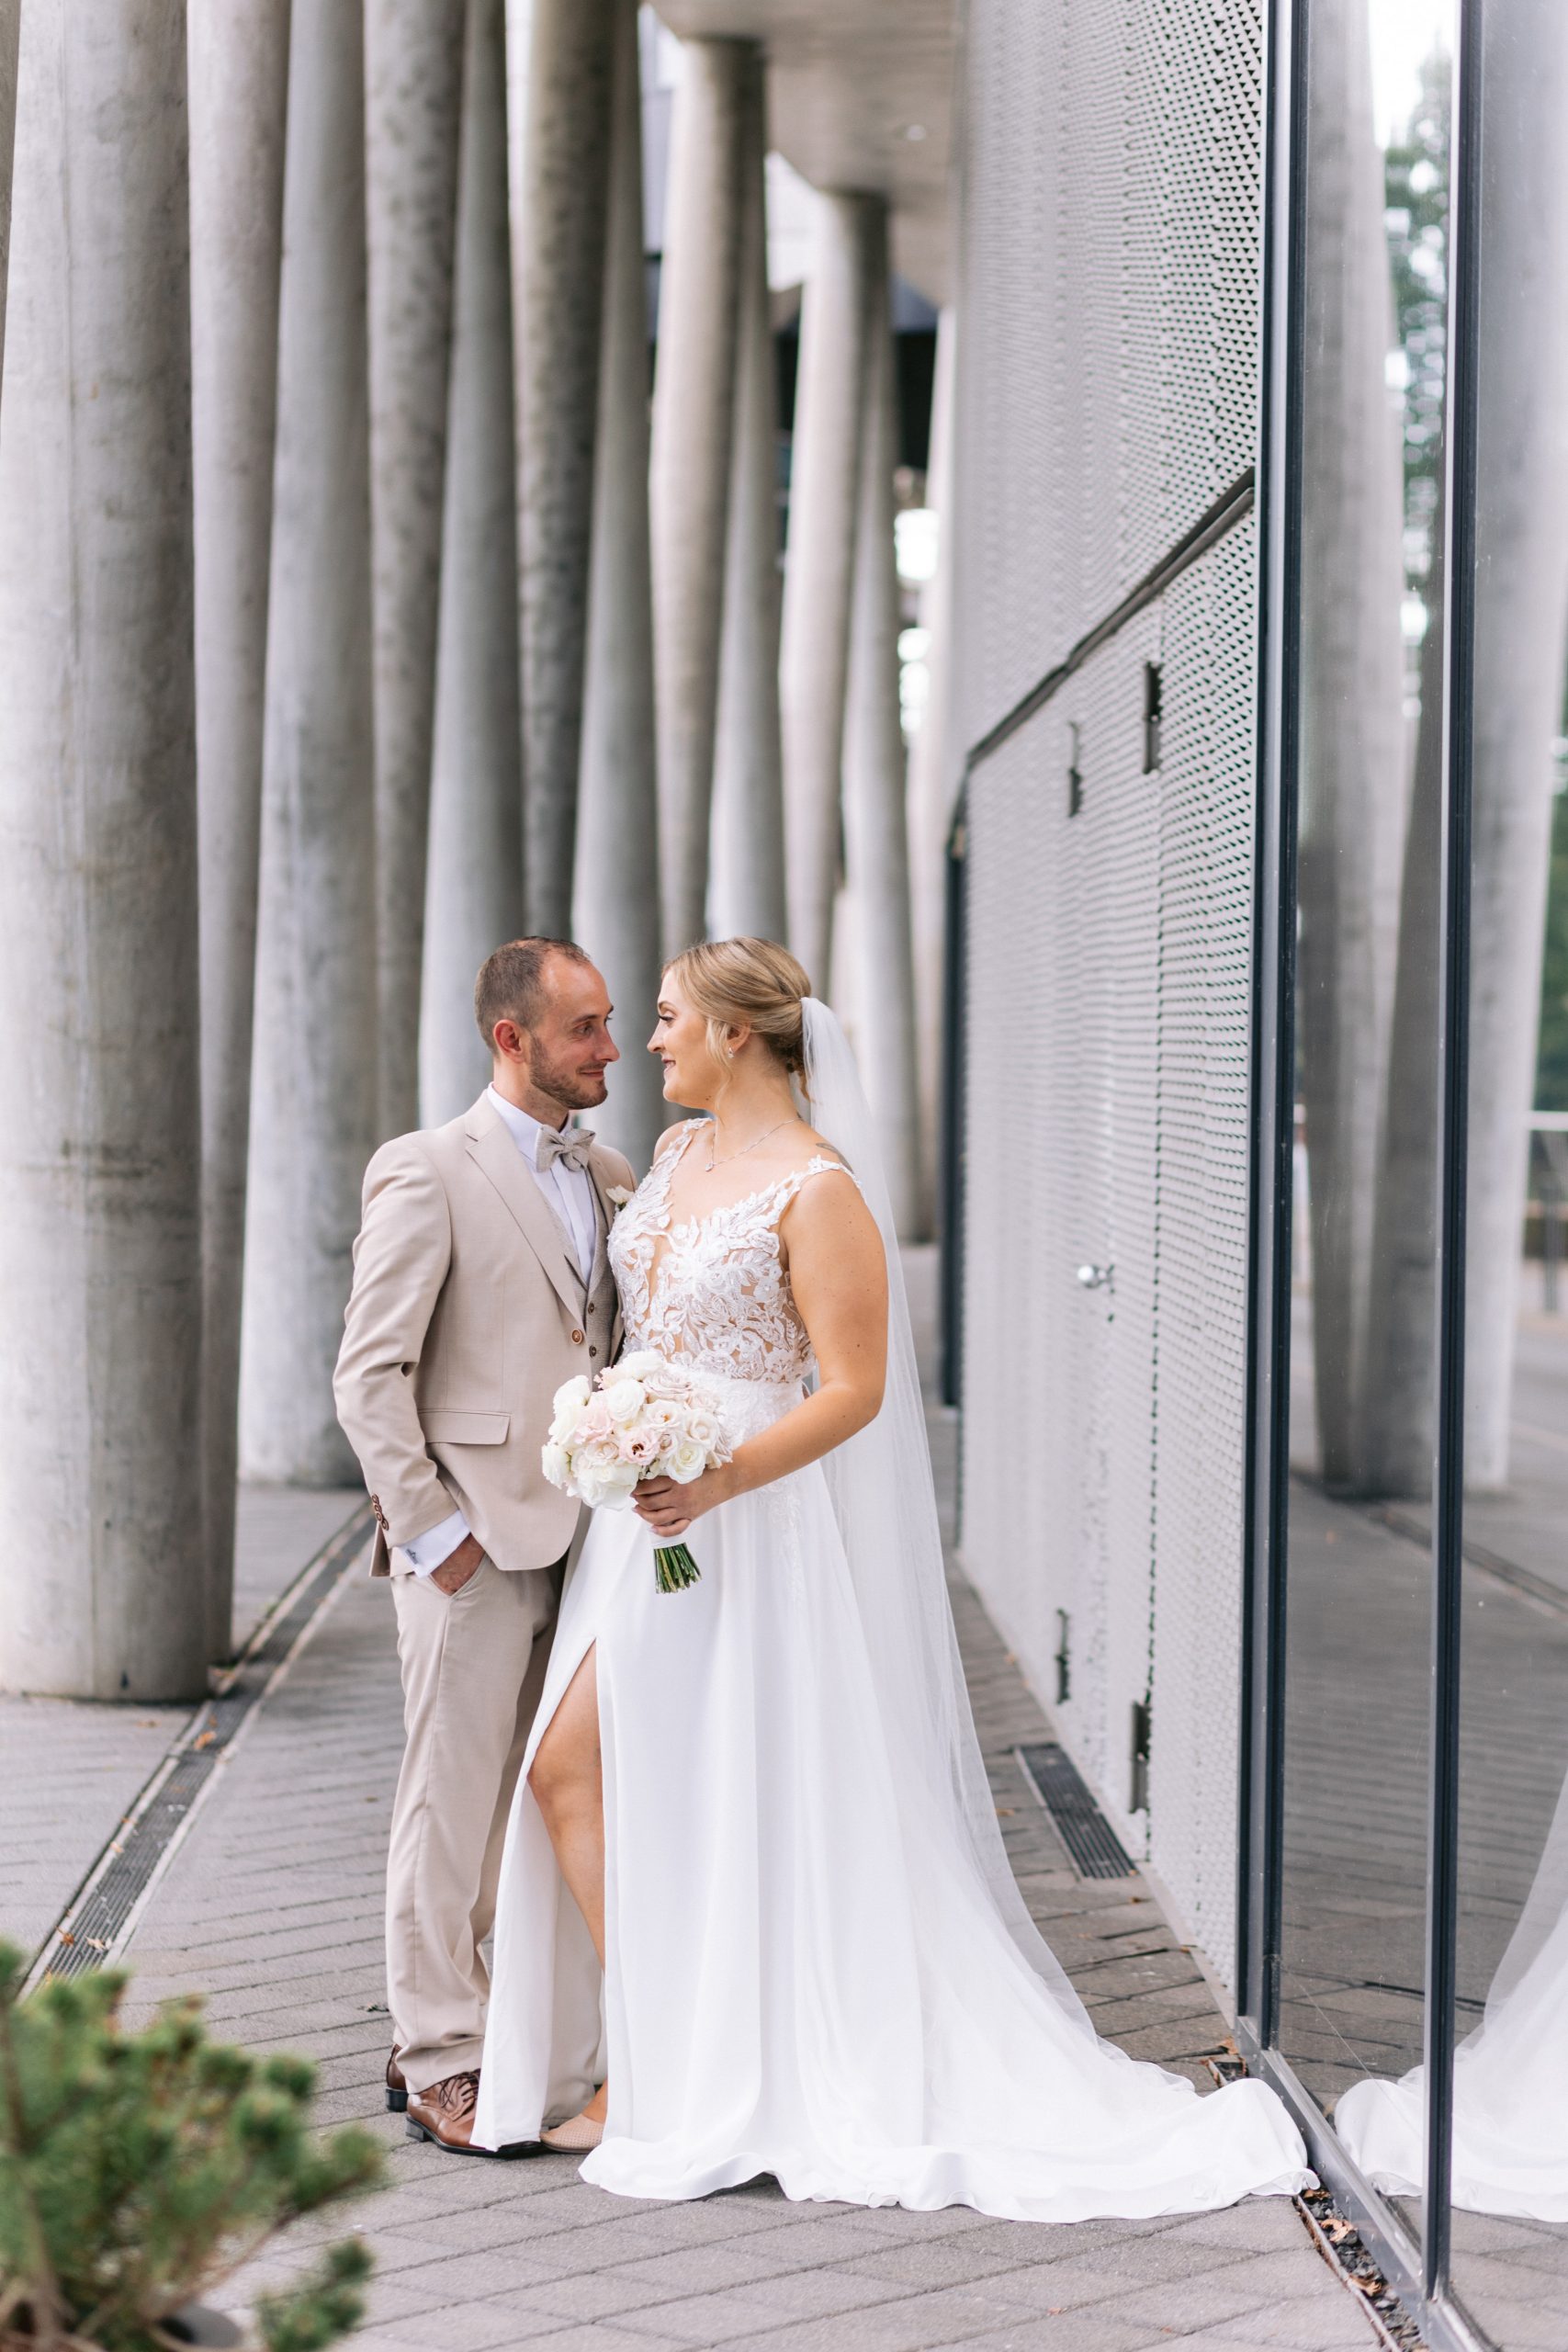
569 1192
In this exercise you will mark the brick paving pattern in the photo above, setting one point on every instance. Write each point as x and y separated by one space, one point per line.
69 1773
71 1768
1512 2276
272 1907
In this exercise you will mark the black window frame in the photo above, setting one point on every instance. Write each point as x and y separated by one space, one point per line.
1417 2268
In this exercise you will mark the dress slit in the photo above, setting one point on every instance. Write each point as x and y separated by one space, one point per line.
557 1689
804 1976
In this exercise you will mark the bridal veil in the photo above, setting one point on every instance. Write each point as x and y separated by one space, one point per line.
884 1501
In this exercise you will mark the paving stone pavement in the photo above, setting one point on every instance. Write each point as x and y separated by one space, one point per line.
1357 1762
71 1768
273 1908
69 1771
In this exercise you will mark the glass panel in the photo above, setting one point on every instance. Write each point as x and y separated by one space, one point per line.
1510 2171
1358 1606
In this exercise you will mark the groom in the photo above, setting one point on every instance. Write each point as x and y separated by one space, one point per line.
480 1283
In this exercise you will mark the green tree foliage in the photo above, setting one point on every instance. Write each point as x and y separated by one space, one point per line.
138 2169
1416 178
1551 1070
1417 186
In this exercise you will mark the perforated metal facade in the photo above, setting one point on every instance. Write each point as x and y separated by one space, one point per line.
1107 401
1108 296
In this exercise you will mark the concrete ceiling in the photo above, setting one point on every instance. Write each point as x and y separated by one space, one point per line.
849 82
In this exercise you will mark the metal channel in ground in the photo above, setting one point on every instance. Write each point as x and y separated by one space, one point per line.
1339 2242
1095 1850
1417 1530
98 1921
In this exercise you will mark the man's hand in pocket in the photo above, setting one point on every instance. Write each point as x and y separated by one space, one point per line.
459 1566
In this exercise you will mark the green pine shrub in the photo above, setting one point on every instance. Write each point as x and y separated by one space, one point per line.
137 2170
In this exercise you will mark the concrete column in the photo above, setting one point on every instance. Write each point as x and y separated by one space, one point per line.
1397 1401
746 888
558 233
820 567
932 776
693 410
102 1584
1353 761
10 28
615 914
313 1090
474 882
413 70
876 840
1521 624
238 56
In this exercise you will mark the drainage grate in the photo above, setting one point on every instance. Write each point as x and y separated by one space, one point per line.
98 1918
1095 1850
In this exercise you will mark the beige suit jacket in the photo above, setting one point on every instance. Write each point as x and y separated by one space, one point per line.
467 1314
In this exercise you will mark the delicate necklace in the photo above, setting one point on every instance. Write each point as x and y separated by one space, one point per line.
745 1147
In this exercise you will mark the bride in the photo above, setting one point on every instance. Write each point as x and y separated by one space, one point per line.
763 1797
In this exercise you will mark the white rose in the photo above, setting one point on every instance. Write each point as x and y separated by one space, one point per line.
624 1400
610 1489
588 1479
641 1364
619 1194
701 1427
686 1461
571 1397
556 1464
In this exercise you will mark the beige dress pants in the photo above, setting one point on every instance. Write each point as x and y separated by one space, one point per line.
473 1667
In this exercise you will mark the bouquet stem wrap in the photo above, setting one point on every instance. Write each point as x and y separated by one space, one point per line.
674 1568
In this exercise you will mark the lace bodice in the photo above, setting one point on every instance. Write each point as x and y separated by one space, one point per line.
713 1288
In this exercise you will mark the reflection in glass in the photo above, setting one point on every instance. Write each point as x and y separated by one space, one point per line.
1510 2085
1370 809
1510 2090
1511 2078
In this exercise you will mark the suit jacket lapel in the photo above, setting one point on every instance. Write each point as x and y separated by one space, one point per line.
600 1175
492 1147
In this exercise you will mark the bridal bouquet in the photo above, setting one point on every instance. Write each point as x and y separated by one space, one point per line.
644 1418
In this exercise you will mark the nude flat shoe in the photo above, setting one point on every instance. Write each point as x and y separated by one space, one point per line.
576 2137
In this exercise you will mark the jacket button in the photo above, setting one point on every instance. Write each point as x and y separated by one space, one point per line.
577 1338
592 1351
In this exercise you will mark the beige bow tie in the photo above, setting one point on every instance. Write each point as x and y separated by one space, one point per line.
569 1146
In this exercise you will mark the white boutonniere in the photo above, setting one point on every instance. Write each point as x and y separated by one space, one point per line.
617 1196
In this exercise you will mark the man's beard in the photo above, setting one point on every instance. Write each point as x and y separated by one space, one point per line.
576 1088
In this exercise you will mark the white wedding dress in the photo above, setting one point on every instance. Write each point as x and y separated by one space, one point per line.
1510 2082
819 1966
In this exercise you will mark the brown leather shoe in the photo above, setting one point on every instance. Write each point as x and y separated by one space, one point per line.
444 2116
396 2089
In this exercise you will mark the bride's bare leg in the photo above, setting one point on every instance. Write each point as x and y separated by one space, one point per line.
568 1784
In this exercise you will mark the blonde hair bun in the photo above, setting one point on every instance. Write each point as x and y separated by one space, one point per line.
754 981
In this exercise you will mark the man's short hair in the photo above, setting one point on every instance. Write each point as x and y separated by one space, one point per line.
511 985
